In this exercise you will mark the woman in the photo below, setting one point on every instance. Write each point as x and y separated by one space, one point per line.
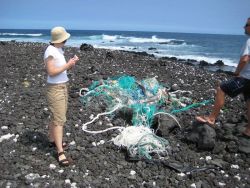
57 92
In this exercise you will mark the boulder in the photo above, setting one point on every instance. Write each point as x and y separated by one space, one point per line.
219 63
203 135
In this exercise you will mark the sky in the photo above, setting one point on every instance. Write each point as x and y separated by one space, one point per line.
185 16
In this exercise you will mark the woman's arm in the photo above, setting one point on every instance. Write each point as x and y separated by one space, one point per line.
52 70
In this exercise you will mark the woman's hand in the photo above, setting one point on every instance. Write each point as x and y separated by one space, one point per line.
73 61
75 58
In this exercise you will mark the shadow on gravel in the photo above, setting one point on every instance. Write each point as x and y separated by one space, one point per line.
35 139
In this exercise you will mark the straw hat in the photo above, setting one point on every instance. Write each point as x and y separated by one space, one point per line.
58 35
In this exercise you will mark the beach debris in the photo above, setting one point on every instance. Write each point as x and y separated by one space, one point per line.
132 173
31 177
100 142
141 101
52 166
181 174
193 185
235 166
72 185
237 176
4 127
67 181
61 171
141 141
208 158
72 143
16 137
26 83
222 184
6 137
145 98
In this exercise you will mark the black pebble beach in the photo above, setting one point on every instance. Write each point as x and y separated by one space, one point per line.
26 160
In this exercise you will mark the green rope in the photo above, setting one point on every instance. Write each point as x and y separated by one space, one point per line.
191 106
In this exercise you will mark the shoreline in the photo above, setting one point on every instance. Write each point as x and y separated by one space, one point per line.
214 67
26 159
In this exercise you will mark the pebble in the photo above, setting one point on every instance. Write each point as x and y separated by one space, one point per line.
132 172
235 166
52 166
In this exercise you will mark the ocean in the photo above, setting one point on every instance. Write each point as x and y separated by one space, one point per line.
207 47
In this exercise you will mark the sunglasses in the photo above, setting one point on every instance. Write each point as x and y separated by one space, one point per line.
247 25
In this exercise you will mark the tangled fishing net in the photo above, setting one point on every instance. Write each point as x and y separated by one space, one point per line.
146 98
141 141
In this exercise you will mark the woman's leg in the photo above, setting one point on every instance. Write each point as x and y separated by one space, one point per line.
50 132
58 137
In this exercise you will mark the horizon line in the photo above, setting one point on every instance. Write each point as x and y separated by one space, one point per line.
147 31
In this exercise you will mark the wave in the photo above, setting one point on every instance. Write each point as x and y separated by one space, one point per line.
154 39
159 53
22 34
131 39
126 48
170 47
110 37
94 37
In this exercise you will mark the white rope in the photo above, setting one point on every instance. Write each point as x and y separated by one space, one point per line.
119 105
165 113
181 91
102 131
83 89
91 91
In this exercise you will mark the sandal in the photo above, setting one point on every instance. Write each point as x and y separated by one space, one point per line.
63 162
206 120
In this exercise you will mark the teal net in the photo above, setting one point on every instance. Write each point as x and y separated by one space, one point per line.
143 97
146 98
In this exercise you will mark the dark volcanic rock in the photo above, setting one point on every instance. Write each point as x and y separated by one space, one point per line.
86 47
26 160
202 135
219 63
203 63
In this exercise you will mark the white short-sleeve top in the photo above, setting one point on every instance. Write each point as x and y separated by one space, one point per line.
245 73
59 59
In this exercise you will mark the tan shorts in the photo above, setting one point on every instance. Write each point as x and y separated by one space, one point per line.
57 97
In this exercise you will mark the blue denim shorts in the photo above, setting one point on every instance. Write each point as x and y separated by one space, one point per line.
236 86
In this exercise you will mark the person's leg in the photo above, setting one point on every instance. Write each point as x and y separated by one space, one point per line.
58 137
218 104
57 96
50 132
51 137
247 130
